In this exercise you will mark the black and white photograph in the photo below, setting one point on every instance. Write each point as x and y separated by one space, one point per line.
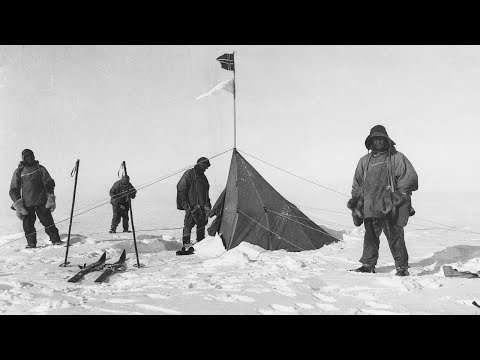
239 179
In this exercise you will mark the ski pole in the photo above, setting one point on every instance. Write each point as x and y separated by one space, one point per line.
75 169
131 217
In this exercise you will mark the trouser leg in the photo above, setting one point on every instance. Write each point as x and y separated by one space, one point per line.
125 218
188 225
29 226
201 222
371 242
200 232
116 217
396 242
46 219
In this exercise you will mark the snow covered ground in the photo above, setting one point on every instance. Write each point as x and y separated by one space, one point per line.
244 280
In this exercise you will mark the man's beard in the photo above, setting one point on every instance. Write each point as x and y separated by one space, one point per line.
381 149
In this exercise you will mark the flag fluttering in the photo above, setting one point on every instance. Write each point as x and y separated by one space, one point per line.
227 62
225 85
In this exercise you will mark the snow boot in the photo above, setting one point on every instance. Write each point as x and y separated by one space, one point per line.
127 231
402 272
112 231
58 242
365 269
184 251
31 246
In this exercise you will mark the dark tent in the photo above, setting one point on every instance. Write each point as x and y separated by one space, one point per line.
251 210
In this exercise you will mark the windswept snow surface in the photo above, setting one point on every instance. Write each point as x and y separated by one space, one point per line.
244 280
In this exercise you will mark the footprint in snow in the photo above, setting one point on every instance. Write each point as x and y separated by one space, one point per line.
419 284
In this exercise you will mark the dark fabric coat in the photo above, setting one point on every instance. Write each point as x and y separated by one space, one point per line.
28 183
370 183
193 188
119 192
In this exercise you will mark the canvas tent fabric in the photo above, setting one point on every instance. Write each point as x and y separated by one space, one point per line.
251 210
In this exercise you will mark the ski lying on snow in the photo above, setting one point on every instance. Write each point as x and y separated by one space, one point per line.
98 265
111 269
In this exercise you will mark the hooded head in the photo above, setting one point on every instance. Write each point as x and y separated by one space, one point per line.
28 157
125 179
380 132
203 163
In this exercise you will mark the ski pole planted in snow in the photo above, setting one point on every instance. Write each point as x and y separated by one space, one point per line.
131 218
75 169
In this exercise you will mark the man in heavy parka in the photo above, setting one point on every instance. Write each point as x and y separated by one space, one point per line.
193 197
32 193
121 202
381 198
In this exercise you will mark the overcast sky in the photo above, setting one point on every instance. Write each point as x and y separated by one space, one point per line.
306 109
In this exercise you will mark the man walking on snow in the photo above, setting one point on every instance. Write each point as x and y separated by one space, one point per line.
31 191
121 202
193 197
381 190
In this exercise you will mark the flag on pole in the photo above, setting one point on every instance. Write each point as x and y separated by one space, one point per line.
227 62
225 85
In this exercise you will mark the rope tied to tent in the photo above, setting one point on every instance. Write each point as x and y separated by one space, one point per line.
298 222
238 210
290 173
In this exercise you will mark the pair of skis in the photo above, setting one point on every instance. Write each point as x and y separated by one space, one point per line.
108 269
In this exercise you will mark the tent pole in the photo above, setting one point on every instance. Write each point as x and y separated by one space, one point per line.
234 107
77 165
131 218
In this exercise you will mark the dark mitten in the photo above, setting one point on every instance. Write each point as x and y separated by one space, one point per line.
357 220
357 210
20 210
352 203
411 211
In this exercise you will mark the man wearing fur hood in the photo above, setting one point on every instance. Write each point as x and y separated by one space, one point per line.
381 199
31 191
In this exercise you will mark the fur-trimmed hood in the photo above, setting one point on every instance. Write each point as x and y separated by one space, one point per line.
378 130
